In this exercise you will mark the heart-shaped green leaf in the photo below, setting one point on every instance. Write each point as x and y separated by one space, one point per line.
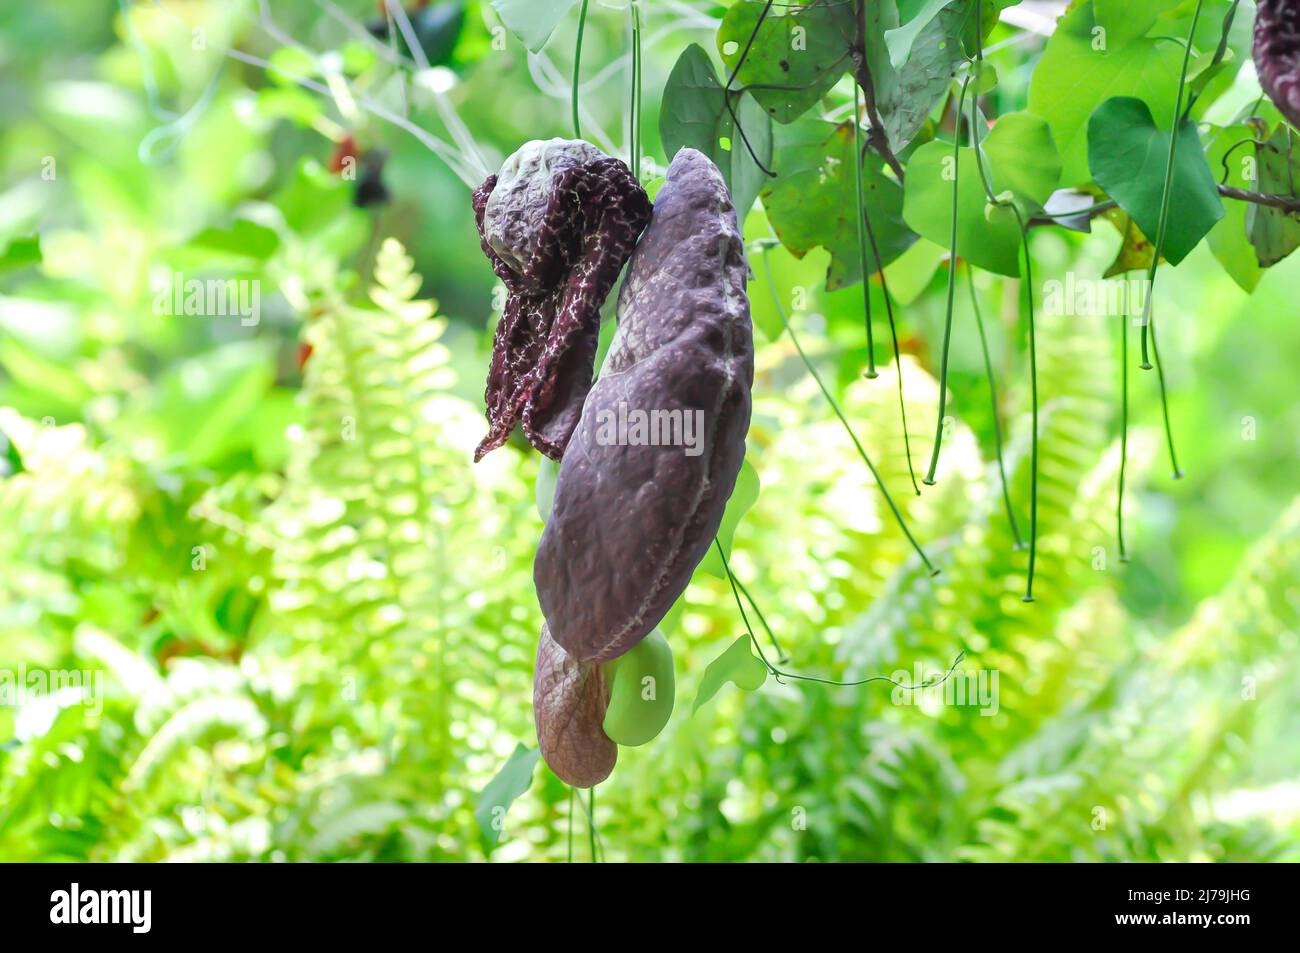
736 665
694 113
813 199
1128 155
533 21
1078 73
1125 20
1021 154
906 95
991 243
798 56
900 41
1021 160
514 778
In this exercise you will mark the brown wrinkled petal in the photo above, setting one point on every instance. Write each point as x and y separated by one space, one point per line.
569 702
558 224
1277 54
630 523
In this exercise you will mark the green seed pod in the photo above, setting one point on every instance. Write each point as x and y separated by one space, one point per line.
641 699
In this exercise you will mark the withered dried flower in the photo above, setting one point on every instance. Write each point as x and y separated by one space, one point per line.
558 223
1277 54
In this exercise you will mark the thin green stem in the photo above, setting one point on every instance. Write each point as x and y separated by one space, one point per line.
1220 52
1123 434
862 241
979 320
635 111
1033 380
577 67
1164 405
572 791
1166 194
980 158
591 822
781 655
993 400
898 515
1148 330
893 338
780 673
1033 348
952 290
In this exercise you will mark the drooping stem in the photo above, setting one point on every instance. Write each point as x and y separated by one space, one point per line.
952 289
1164 405
776 644
572 794
862 241
1166 194
1033 345
1123 434
589 808
577 67
1033 381
1148 330
634 138
993 400
898 515
779 673
1220 52
898 357
865 220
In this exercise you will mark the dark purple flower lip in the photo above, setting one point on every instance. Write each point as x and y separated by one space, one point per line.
557 223
1277 54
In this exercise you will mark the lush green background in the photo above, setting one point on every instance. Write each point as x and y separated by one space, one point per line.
317 647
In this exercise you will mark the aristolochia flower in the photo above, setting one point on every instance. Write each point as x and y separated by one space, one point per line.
558 222
1277 54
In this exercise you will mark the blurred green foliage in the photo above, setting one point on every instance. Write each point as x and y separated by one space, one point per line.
313 616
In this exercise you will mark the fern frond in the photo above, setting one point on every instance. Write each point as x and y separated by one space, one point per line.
389 550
